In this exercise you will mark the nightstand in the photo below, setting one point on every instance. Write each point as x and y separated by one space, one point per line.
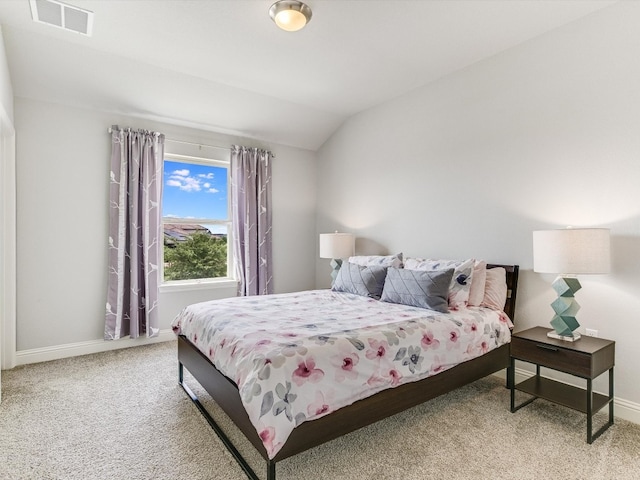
586 358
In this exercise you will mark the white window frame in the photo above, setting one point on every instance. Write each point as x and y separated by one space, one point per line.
199 283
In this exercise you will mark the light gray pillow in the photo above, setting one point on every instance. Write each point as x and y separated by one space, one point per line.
418 288
378 260
365 281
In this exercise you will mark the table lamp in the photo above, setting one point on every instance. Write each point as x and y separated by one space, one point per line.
336 246
569 252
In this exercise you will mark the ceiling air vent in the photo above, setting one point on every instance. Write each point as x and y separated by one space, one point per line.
62 15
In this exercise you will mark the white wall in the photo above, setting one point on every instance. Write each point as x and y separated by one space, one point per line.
541 136
62 179
7 216
6 89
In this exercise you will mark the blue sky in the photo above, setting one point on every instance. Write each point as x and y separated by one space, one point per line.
194 191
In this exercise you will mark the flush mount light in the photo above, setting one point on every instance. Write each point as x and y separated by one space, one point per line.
290 15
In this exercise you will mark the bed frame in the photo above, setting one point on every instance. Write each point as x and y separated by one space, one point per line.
346 419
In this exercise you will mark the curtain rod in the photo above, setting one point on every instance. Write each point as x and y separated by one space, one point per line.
208 146
197 144
110 130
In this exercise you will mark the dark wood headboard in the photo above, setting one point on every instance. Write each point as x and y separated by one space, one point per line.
512 288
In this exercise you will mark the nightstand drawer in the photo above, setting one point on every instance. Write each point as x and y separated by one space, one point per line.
552 356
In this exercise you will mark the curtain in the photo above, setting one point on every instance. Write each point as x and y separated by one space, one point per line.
251 219
134 233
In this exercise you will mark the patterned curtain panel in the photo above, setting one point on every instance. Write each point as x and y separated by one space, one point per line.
134 233
251 215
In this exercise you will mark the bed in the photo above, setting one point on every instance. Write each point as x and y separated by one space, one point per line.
319 426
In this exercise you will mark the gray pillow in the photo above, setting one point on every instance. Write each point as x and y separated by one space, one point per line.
418 288
361 280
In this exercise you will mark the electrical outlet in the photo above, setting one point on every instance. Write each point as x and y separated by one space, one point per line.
591 332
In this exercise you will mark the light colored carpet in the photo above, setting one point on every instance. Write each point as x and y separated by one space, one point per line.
122 415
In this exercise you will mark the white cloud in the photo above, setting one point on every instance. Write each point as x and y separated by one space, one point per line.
191 184
186 184
196 183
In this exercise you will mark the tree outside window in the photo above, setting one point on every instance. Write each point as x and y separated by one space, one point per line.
195 219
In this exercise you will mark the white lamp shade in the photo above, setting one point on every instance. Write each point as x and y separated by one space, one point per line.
572 251
337 245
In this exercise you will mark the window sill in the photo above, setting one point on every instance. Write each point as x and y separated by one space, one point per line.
189 285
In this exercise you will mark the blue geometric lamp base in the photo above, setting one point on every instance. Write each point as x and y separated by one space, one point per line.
336 263
564 321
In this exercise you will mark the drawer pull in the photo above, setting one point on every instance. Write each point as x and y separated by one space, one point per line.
548 347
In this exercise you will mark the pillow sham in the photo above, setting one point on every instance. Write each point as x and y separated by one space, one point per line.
478 282
365 281
378 260
495 290
460 282
418 288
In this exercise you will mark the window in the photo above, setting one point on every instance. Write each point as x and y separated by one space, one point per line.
195 219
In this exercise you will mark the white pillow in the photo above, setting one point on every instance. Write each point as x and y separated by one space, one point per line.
495 290
394 261
478 281
460 283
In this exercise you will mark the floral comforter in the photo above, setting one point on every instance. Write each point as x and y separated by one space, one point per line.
299 356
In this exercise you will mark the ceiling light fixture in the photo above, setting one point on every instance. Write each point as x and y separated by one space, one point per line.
290 15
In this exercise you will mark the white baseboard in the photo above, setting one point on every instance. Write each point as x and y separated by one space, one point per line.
622 408
56 352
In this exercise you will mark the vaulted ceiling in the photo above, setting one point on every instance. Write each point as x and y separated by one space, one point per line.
223 65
